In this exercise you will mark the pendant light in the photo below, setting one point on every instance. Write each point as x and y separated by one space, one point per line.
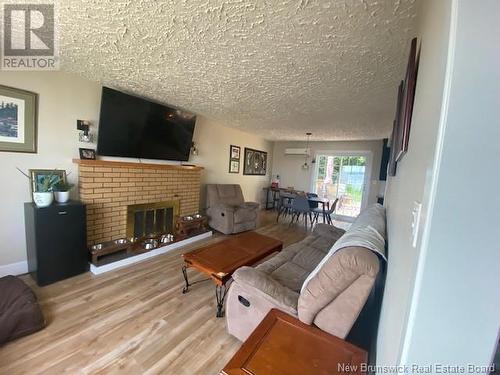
305 166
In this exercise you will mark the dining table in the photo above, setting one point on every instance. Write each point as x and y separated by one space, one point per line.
324 202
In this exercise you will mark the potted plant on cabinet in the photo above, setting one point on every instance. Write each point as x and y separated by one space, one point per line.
61 191
43 188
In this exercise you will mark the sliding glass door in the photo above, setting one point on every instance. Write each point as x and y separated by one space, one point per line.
342 176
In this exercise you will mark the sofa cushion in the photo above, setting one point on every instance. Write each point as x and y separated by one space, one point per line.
292 265
20 314
290 275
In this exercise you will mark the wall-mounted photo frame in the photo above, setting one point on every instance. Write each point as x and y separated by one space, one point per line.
18 120
234 159
255 162
87 154
393 142
234 152
234 166
39 175
407 99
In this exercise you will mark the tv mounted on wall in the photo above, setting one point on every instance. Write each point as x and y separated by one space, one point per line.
133 127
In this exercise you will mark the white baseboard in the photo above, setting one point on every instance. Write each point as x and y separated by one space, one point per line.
97 270
18 268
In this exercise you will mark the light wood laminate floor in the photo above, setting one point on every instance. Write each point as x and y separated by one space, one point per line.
132 320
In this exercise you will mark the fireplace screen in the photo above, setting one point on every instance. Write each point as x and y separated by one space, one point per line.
151 218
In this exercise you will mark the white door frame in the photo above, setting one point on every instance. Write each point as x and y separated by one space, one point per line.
368 173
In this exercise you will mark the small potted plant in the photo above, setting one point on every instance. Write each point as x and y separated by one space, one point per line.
43 194
61 191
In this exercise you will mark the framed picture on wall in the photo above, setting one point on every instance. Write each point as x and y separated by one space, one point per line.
393 142
407 99
255 162
18 120
234 166
235 152
234 159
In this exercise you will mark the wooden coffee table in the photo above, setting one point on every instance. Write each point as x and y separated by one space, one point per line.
282 344
221 259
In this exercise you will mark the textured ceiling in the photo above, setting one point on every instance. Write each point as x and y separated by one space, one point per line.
276 68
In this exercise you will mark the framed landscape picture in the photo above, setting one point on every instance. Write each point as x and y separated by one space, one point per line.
18 120
255 162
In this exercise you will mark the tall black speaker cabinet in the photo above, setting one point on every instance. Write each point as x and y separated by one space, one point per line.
56 241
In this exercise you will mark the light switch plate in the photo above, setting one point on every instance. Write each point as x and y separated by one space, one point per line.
415 222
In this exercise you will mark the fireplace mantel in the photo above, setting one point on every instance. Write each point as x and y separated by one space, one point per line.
127 164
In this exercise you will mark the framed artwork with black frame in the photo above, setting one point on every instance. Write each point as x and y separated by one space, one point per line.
234 159
87 154
255 162
18 120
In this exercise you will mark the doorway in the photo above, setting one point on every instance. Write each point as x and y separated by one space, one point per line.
343 176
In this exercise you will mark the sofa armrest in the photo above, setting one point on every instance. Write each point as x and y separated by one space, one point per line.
336 278
251 205
267 288
338 317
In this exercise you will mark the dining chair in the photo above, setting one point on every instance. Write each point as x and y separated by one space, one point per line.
312 204
284 205
327 214
300 206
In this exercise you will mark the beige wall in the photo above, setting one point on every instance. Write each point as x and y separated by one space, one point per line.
453 316
413 178
64 98
288 167
213 141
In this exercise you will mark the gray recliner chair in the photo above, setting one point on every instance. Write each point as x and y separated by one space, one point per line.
227 210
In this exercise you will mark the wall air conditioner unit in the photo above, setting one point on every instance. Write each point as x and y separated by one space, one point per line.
298 151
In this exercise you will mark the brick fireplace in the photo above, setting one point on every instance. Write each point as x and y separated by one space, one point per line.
111 188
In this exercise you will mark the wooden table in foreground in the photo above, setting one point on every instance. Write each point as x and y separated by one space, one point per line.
283 345
221 259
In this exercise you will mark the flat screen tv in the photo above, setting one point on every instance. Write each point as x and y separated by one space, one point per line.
133 127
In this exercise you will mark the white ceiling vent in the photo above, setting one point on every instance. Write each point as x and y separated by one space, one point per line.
298 151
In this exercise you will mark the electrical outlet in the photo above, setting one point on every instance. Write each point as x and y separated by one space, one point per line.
415 222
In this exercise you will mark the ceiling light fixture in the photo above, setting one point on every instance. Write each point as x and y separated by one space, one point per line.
305 166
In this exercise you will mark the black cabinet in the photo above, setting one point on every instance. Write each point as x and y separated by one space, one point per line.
56 241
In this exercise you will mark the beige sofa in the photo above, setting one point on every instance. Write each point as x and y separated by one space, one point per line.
228 212
323 280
